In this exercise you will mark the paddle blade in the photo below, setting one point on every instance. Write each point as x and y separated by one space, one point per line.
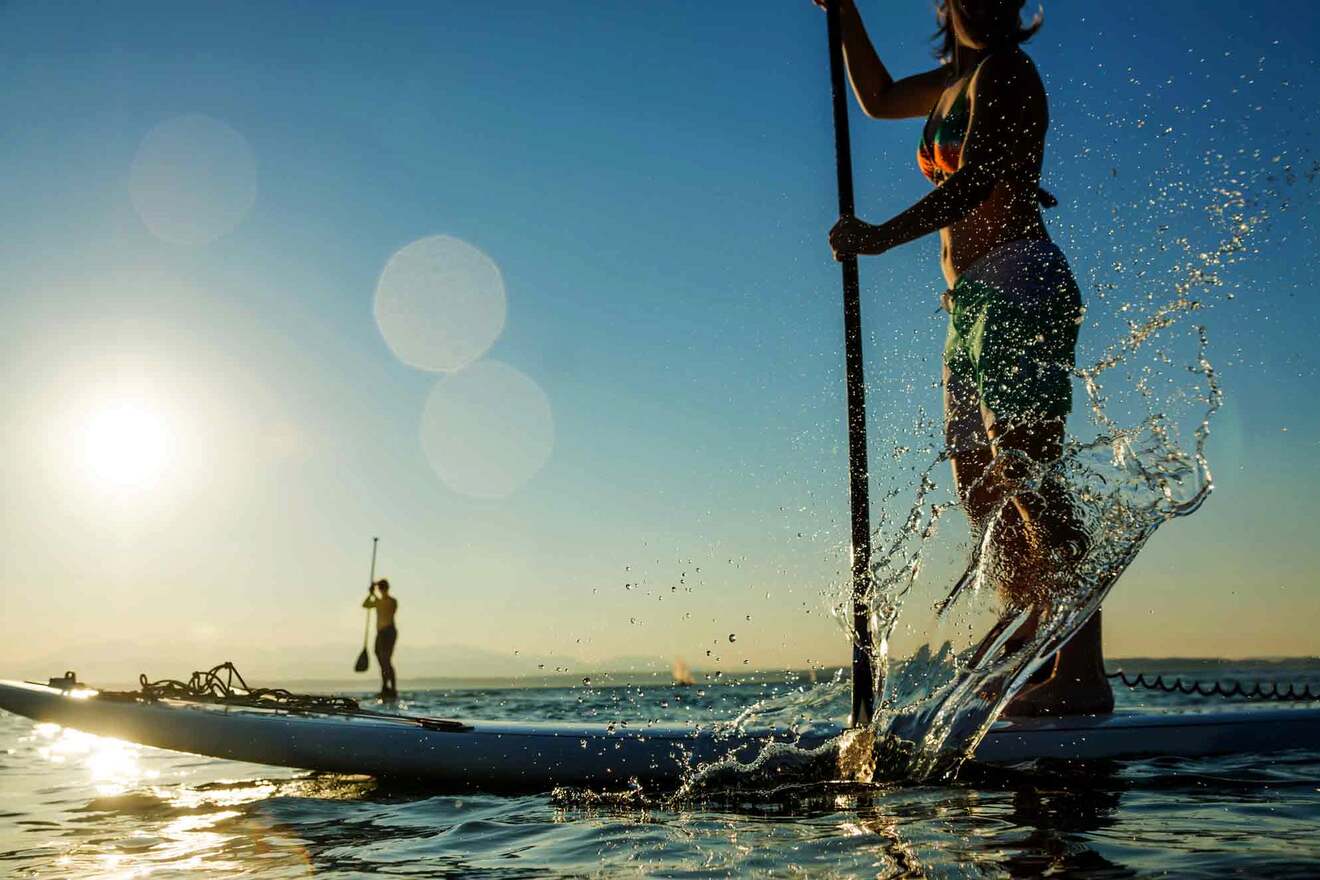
361 664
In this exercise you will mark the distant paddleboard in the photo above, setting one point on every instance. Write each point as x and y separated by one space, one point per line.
530 756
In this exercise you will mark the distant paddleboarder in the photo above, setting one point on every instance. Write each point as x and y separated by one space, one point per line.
1014 307
386 634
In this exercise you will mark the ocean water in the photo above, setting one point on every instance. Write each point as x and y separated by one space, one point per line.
74 806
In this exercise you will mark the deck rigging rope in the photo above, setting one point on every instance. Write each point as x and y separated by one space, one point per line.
224 685
1270 691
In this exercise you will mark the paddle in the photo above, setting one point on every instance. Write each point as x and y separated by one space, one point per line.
362 662
863 703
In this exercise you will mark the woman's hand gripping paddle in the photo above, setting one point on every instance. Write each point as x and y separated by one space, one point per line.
362 661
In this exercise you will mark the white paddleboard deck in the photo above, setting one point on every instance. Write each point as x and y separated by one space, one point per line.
539 756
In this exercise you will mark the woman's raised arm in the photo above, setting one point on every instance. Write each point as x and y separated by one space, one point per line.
878 94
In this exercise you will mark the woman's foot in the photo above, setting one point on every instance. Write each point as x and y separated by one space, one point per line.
1077 685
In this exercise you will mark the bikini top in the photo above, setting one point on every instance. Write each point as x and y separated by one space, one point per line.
939 153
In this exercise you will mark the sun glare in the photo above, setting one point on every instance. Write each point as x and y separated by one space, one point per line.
127 445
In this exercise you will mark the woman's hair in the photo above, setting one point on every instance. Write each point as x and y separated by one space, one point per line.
1000 18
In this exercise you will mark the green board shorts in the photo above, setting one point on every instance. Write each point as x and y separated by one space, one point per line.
1013 333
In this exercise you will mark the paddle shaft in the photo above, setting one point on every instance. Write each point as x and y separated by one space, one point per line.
371 582
863 703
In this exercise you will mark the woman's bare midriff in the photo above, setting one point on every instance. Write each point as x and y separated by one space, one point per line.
1011 213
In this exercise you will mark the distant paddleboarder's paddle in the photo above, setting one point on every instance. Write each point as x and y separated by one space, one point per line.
863 703
362 662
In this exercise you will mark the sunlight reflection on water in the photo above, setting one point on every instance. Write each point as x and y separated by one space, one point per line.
119 817
202 817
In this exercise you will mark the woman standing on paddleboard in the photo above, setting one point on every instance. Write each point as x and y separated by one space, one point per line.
1014 307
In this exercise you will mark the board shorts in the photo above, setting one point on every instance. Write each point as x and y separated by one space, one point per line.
385 639
1012 340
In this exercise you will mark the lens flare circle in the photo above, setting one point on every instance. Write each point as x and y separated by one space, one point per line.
487 430
440 303
193 180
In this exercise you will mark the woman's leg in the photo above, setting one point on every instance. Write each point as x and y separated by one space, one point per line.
978 485
1046 542
969 448
1017 336
387 662
383 661
1038 530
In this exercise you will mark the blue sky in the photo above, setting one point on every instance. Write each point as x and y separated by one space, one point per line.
654 182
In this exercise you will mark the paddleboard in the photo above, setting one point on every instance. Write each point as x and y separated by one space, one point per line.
535 756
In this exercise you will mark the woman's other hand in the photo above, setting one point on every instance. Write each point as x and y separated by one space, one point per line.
851 237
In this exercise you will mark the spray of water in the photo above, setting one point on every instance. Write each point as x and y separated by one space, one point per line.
1135 459
1133 473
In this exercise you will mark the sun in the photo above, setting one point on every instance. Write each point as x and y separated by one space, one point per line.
127 445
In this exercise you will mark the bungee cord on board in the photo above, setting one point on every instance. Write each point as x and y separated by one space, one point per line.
224 685
1266 691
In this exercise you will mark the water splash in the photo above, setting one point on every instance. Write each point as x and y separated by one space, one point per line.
1135 459
1132 475
1124 484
